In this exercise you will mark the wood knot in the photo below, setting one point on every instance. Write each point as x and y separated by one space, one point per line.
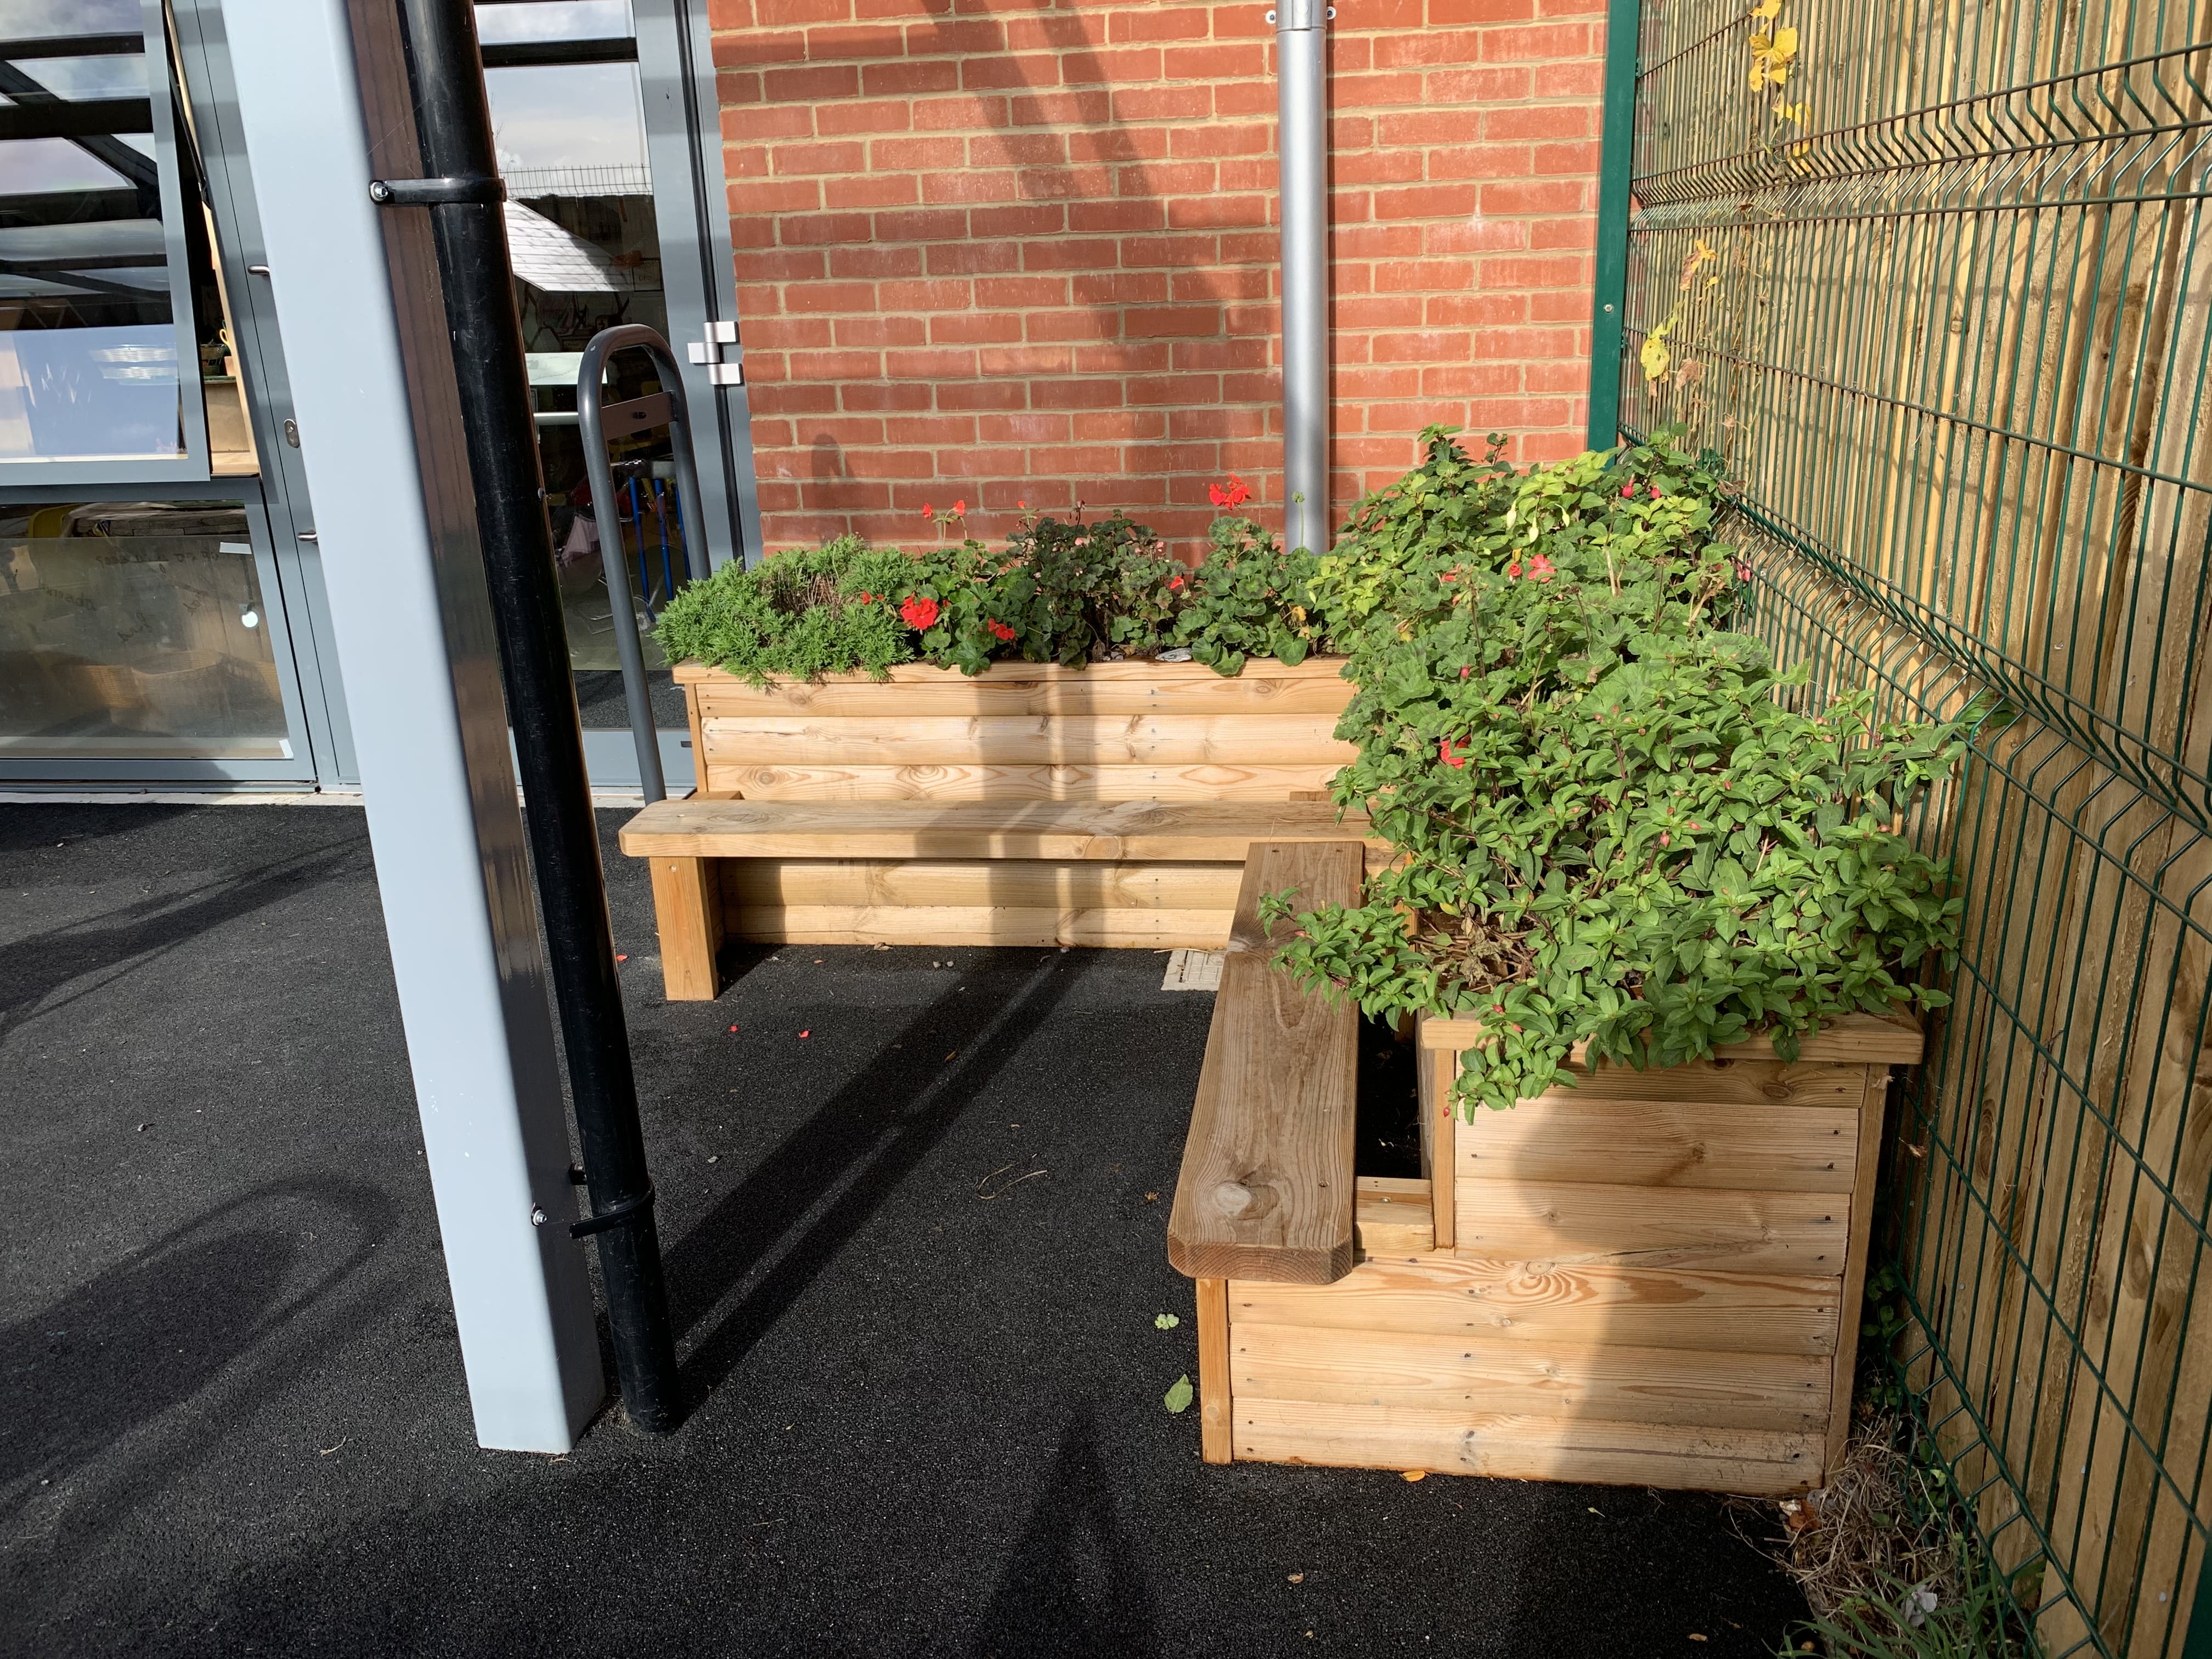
1232 1198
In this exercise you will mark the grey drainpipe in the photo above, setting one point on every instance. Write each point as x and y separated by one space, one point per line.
1301 107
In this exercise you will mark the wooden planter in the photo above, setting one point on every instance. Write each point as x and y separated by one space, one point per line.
1652 1278
1015 737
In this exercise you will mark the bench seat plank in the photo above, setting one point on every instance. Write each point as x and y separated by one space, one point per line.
1191 832
1267 1190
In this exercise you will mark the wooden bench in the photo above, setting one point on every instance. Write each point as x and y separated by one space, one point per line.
1140 873
1266 1191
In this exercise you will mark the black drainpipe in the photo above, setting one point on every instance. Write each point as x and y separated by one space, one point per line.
462 191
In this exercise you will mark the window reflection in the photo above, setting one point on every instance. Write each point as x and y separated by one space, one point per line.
89 345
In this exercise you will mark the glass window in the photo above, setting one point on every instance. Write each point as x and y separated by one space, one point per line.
134 629
96 306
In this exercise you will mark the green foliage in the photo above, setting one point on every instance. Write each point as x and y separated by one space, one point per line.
1962 1616
1250 599
797 616
1060 591
1615 826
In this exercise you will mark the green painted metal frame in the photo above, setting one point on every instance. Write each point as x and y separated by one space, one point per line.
1615 168
1940 300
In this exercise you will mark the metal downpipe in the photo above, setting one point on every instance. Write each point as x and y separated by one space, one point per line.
1301 113
462 192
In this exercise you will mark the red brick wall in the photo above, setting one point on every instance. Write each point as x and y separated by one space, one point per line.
1010 254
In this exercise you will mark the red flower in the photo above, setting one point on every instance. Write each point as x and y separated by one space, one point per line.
1448 755
1540 569
919 612
925 512
867 598
999 628
1655 492
1628 490
1021 506
1235 495
1513 569
959 509
1174 583
1464 673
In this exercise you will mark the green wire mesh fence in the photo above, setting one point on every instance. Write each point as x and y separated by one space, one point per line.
1929 278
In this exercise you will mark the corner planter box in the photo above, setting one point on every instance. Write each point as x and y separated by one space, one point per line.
1652 1278
1016 736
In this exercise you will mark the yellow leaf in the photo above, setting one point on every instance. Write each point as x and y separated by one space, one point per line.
1760 45
1655 358
1777 73
1767 8
1785 44
1758 73
1417 1474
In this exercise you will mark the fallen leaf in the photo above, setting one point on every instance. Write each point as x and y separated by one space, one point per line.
1152 1198
733 1028
325 1451
1178 1398
1417 1474
954 1052
806 1034
1694 1637
620 958
714 1158
1165 1321
1297 1578
1598 1513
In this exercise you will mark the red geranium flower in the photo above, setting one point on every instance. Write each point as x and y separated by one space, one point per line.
959 509
1450 755
925 510
1513 569
918 611
1540 569
999 628
1237 493
1174 583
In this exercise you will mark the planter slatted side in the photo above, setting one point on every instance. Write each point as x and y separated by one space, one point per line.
1651 1279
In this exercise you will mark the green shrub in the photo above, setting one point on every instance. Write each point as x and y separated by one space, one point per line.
799 616
1060 591
1613 828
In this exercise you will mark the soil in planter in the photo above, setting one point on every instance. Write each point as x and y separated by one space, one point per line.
1389 1133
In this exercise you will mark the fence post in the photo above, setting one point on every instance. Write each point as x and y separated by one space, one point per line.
1615 168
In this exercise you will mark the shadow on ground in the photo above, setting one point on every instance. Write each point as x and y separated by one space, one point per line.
915 1205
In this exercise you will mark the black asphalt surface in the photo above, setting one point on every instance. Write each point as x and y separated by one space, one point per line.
916 1257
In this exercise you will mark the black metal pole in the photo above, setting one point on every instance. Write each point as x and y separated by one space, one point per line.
460 191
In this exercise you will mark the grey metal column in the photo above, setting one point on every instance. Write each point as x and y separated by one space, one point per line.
1302 114
381 444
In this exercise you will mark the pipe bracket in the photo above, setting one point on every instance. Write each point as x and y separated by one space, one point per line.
433 192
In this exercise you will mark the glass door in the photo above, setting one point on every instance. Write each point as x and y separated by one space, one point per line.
143 633
608 186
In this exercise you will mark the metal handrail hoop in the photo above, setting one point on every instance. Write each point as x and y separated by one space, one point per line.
665 407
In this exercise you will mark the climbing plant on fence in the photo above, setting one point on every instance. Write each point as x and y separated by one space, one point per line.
1931 285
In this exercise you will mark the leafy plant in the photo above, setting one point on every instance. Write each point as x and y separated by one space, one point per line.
797 616
1611 831
1250 599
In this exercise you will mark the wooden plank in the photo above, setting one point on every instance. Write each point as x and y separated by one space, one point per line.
1848 1040
1749 1082
687 912
1661 1143
998 740
1574 1223
1267 1186
1195 832
976 925
1434 1072
1033 693
1752 1462
1020 783
1392 1216
1522 1301
1429 1372
1861 1236
1022 883
1215 1388
689 672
